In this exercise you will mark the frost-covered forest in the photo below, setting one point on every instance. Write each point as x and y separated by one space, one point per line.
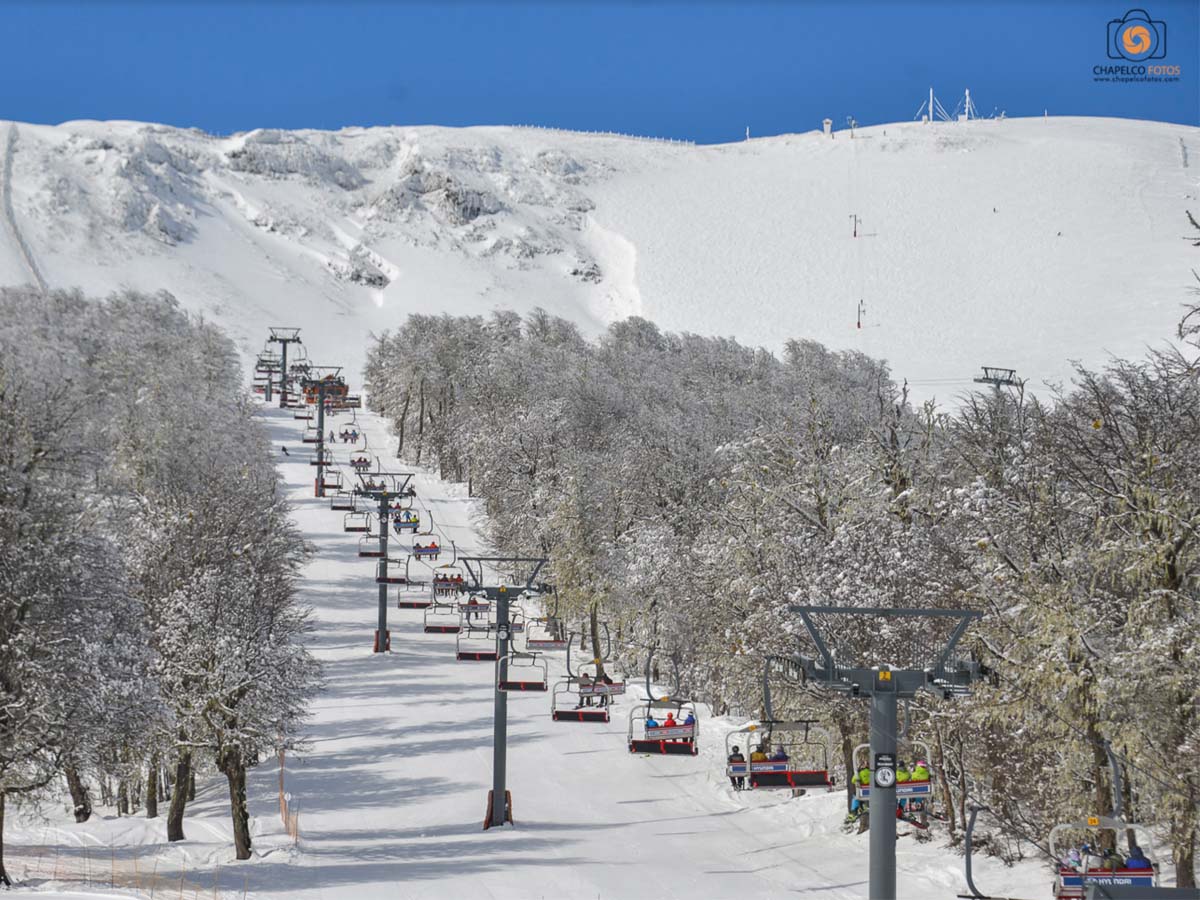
690 488
148 624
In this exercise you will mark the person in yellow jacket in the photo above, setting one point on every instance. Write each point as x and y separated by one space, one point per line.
757 755
902 773
920 771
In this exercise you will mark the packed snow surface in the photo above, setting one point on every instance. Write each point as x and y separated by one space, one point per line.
1022 243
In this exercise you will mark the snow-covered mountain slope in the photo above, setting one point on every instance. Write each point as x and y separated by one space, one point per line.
1019 243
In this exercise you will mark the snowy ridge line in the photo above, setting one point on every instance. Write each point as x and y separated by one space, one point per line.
607 134
9 217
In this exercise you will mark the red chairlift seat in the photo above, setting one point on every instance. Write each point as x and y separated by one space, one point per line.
389 578
368 547
476 655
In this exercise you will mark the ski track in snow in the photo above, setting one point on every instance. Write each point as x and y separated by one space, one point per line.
10 219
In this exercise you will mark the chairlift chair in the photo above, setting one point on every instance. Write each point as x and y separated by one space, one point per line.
806 765
369 547
475 609
469 644
342 502
526 672
447 581
407 521
357 522
674 740
561 710
920 791
1072 881
442 618
426 552
332 480
391 577
545 634
413 594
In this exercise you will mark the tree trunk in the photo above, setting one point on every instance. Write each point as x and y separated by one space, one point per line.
596 654
79 794
183 769
1185 862
943 781
402 422
421 421
152 788
848 762
191 785
122 797
3 874
235 772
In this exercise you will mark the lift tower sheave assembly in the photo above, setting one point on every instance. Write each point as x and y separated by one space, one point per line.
499 802
283 337
884 685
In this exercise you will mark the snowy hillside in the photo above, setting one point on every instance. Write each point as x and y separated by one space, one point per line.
1021 243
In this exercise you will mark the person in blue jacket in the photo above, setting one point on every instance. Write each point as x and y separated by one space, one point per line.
1137 859
651 722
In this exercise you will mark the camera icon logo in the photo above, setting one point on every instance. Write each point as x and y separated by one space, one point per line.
1135 37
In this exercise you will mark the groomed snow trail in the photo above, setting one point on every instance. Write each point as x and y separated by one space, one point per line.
392 793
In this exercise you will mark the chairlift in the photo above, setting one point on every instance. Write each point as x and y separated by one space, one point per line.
429 551
442 618
526 672
358 522
390 576
342 502
802 764
561 710
448 580
677 739
671 733
332 480
1071 880
913 790
369 547
412 594
475 608
545 635
408 520
547 632
476 644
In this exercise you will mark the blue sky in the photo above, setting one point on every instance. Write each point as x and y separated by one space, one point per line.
698 70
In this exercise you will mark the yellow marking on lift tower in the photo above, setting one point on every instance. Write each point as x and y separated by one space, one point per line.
1093 820
885 676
